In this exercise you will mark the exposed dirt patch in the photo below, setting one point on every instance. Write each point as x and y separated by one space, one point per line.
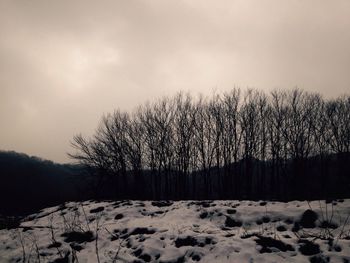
281 228
231 211
78 237
319 259
54 245
142 231
326 225
308 248
203 215
193 242
269 243
230 222
118 216
76 246
162 203
97 209
308 219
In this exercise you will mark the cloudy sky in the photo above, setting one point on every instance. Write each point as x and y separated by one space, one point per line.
65 63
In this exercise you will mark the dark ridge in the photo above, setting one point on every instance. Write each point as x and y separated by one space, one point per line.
28 184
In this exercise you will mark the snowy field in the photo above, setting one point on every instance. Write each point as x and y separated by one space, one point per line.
185 231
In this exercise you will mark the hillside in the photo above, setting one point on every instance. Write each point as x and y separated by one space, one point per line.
184 231
30 183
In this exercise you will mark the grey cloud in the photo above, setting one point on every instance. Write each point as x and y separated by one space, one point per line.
65 63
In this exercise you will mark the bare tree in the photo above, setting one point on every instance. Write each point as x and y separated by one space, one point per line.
231 141
224 146
184 129
276 145
249 122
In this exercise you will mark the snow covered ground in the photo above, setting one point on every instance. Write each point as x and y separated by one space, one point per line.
184 231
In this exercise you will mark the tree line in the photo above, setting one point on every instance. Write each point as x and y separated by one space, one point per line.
237 144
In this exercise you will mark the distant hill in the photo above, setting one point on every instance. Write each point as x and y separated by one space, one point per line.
30 183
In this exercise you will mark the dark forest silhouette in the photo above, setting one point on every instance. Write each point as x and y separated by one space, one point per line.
31 183
282 145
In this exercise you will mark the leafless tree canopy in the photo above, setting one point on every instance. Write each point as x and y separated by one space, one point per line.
285 144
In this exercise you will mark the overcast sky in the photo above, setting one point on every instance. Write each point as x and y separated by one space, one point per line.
65 63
